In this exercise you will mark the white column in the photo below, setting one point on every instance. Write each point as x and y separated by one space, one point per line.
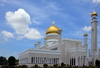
45 42
76 54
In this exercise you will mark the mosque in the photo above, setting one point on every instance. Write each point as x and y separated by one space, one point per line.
57 49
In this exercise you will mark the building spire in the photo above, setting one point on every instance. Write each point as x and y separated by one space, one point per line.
53 23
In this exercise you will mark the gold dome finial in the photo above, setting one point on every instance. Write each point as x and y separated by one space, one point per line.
94 14
86 44
94 48
76 43
35 43
45 38
85 35
39 41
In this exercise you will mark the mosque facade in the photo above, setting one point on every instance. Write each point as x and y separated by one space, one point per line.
57 49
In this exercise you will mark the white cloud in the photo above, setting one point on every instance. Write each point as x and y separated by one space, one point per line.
96 1
15 52
87 28
2 4
7 35
20 37
33 34
18 20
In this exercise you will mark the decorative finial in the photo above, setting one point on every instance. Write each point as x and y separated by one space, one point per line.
76 43
85 35
86 44
94 13
45 38
53 22
94 48
39 42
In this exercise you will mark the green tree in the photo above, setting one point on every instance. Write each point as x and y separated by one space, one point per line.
3 60
11 61
97 63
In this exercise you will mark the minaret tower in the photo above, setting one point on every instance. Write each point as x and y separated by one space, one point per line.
85 43
94 32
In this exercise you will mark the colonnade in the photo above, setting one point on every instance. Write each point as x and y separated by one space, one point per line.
81 61
44 60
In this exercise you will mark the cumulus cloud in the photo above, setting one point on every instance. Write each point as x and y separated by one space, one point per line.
87 28
33 34
19 21
20 37
7 35
15 52
96 1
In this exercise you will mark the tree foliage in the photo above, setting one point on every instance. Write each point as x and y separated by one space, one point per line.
97 62
11 61
3 60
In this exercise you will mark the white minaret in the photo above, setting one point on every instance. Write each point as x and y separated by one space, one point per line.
85 43
94 32
35 45
94 36
59 39
38 44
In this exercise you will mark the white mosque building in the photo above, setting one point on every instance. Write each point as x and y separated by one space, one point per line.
57 49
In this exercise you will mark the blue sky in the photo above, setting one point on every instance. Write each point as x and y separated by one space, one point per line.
24 22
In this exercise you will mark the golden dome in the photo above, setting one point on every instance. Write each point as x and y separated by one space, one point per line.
35 43
45 38
85 34
39 42
52 29
94 13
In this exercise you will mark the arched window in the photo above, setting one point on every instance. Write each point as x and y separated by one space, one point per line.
32 60
58 61
70 61
36 60
74 61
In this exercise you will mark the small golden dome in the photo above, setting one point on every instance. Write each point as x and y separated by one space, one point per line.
39 42
52 29
76 43
35 43
86 44
85 34
60 29
94 13
45 38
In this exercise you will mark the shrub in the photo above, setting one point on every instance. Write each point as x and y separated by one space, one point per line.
24 66
45 65
55 65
